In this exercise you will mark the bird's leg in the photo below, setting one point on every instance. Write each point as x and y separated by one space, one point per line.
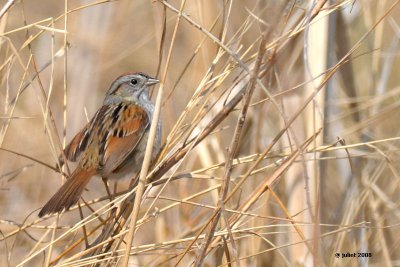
105 181
110 196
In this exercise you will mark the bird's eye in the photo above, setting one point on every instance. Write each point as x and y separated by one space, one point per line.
134 81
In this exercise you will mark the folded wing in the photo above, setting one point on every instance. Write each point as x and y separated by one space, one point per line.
129 123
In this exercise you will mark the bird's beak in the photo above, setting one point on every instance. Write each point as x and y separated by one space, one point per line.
152 81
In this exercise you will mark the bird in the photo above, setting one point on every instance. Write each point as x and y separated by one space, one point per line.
113 143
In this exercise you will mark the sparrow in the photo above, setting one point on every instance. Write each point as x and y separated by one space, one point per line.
112 145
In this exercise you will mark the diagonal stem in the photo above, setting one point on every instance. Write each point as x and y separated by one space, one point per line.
232 152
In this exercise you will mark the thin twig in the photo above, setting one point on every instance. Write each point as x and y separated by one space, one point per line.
149 148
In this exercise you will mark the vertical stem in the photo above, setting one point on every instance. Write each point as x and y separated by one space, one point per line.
329 94
53 234
149 148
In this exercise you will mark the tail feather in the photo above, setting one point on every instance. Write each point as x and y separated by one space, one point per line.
69 193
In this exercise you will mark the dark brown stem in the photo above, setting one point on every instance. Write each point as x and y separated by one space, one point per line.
233 149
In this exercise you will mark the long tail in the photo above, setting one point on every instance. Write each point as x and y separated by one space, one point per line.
69 193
